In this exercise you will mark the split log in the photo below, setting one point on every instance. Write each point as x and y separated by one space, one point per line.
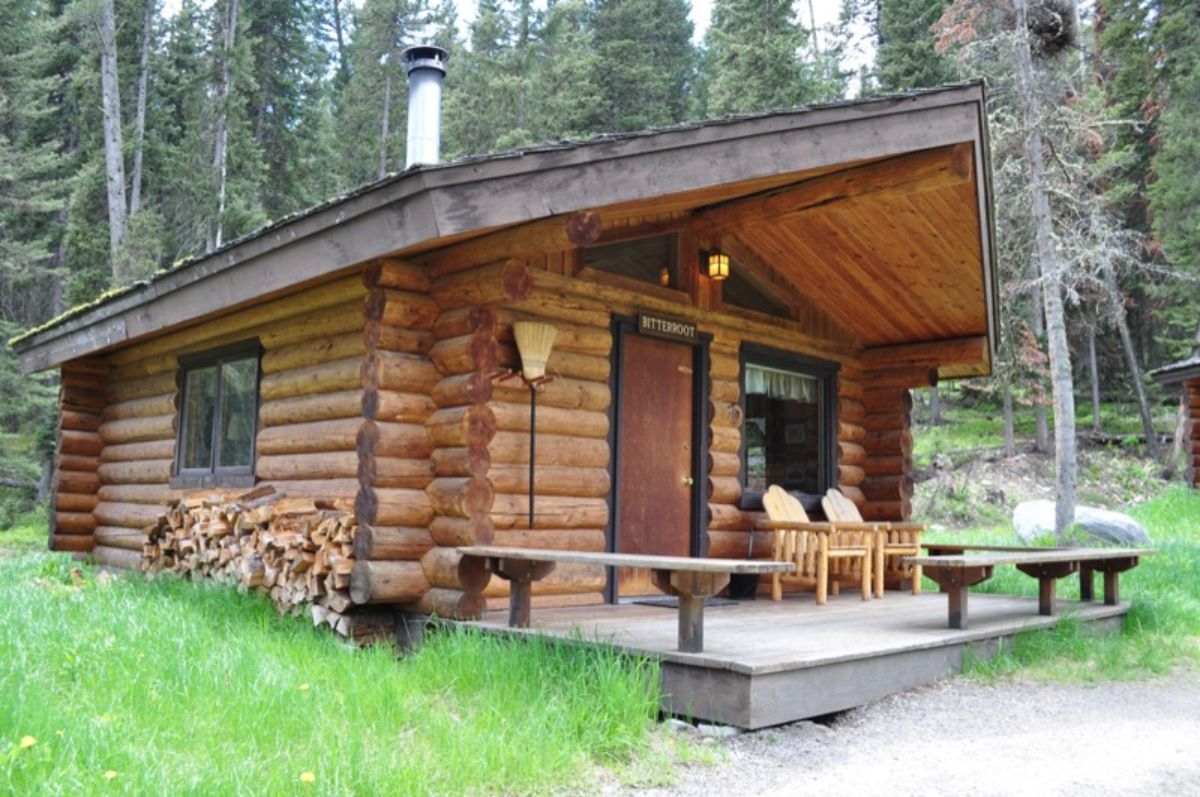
447 568
551 480
387 582
304 438
305 409
330 377
154 471
313 351
116 557
389 542
138 430
456 531
131 452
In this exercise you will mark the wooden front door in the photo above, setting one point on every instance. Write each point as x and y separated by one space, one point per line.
655 463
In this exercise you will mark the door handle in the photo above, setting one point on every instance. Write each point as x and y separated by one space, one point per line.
688 481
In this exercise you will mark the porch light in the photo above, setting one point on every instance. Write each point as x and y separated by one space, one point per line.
718 265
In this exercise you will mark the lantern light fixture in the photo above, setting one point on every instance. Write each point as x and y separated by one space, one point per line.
718 265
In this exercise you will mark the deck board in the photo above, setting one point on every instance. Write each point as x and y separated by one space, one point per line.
766 662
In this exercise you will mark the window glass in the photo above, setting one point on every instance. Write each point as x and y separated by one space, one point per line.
741 289
239 404
652 260
200 390
783 429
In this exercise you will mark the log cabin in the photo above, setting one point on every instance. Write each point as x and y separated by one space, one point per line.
1184 375
737 303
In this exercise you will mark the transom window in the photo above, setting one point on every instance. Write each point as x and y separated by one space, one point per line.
219 416
788 427
654 260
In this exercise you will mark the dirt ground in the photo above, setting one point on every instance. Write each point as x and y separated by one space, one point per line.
959 736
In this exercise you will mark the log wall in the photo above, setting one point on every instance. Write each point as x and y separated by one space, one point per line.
1192 389
75 481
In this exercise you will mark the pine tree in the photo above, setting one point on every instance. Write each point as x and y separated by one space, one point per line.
905 56
645 63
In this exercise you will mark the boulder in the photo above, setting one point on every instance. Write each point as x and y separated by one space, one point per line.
1034 520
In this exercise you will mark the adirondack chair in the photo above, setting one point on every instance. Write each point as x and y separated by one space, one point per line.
813 547
893 541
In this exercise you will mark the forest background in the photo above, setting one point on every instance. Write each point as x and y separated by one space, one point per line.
133 137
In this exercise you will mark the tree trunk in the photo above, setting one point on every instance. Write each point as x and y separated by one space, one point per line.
935 407
387 112
139 122
1181 434
114 159
1094 372
221 139
1051 270
339 36
1010 442
1117 305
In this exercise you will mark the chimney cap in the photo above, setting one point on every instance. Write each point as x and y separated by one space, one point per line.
425 56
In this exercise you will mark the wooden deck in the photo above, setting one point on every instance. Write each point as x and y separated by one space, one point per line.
767 663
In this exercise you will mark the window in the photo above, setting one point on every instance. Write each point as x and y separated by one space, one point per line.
654 260
219 417
742 289
788 428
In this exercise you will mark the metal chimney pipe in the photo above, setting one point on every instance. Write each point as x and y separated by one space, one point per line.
426 67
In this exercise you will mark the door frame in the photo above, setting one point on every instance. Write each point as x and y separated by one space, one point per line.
623 325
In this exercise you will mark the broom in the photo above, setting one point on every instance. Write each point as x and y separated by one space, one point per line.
534 342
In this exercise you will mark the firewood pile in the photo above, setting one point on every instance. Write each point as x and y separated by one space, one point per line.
299 552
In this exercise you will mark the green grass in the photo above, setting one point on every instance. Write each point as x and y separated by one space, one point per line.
27 535
1162 629
178 688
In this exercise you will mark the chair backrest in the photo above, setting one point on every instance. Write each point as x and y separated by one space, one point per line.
839 507
782 506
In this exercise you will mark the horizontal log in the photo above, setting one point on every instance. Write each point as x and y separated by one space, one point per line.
324 465
725 414
725 390
889 400
74 523
330 377
471 425
301 438
725 517
392 472
393 507
460 496
851 433
399 440
138 494
450 604
562 363
851 454
79 421
887 464
314 351
468 320
149 407
77 463
377 335
578 338
854 494
895 441
134 516
884 421
565 579
405 373
395 407
404 309
78 482
81 381
887 488
390 272
551 480
495 284
455 531
552 539
85 444
460 389
514 417
119 537
447 568
900 509
74 502
152 471
927 354
117 557
461 461
72 543
391 542
512 448
850 387
138 430
725 439
82 400
511 511
339 492
720 464
119 390
465 353
724 367
736 544
850 475
130 452
566 393
724 489
306 409
851 411
387 582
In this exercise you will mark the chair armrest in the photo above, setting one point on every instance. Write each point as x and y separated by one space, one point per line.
793 525
856 525
918 527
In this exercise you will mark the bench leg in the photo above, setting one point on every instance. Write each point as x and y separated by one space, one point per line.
955 582
1087 584
1047 574
958 606
1112 568
691 589
1046 590
520 575
1112 589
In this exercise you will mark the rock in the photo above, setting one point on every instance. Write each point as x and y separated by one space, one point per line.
678 726
1034 521
718 731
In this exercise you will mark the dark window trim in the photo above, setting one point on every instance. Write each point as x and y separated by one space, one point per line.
826 371
213 476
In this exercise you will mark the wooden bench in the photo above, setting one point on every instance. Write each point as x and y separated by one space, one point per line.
689 579
956 568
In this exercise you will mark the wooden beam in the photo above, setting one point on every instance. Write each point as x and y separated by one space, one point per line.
906 174
555 234
928 354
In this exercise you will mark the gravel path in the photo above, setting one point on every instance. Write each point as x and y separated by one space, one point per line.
959 737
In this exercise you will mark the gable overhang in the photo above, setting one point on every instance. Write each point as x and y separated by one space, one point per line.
435 206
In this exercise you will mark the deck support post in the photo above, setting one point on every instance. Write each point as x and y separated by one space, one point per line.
956 581
1087 583
1047 574
691 589
1112 568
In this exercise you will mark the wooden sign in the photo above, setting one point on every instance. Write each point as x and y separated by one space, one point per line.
664 327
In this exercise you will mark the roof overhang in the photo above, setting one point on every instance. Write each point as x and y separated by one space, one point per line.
1179 372
433 206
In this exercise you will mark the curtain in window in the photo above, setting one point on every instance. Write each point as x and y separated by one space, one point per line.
781 385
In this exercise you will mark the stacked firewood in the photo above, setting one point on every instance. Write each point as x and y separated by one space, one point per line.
299 552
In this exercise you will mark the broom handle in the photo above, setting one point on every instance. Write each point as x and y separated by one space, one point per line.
532 444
